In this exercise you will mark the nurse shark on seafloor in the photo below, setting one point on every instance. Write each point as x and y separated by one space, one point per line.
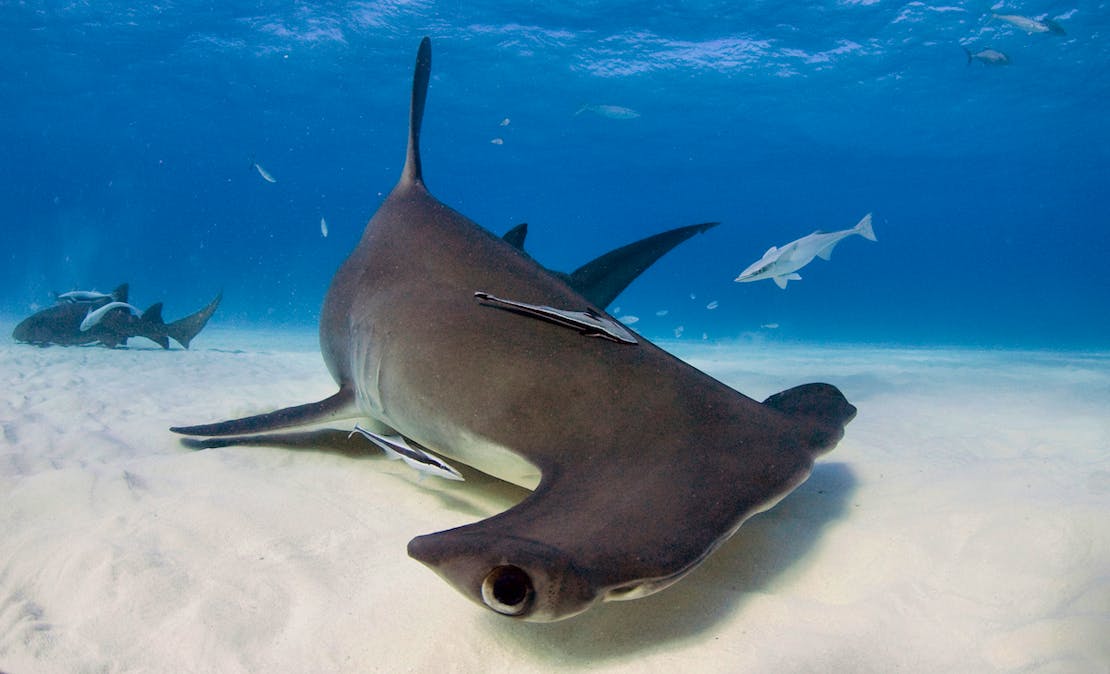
781 265
446 340
85 317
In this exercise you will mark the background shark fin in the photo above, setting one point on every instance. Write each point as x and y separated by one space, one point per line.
184 330
153 314
601 280
339 406
120 293
422 73
515 236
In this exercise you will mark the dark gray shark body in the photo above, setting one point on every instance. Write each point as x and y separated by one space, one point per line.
641 465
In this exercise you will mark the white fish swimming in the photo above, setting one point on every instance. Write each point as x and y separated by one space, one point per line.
505 122
629 319
324 227
83 296
415 456
609 111
991 57
770 326
781 264
95 316
498 141
712 305
1031 25
661 312
678 331
264 173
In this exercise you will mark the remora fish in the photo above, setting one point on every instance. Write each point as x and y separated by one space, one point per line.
61 325
781 264
1031 25
991 57
95 315
641 464
117 295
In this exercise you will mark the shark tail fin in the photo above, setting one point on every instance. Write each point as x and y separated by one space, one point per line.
822 404
421 75
184 330
863 228
969 55
120 294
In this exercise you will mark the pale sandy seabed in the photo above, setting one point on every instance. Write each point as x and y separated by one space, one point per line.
962 525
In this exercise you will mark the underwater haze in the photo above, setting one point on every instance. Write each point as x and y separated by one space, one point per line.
133 135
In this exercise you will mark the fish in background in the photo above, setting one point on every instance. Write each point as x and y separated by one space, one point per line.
782 264
108 320
77 296
991 57
263 172
1031 26
608 111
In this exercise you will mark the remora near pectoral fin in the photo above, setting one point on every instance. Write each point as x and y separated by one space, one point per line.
413 454
589 322
339 406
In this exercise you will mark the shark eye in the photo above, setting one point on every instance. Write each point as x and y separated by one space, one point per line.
508 590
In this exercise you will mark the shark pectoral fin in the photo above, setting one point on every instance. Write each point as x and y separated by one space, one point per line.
322 439
589 322
339 406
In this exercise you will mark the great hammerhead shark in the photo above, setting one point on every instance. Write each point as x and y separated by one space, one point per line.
451 338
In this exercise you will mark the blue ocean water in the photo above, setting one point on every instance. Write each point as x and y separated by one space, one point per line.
130 131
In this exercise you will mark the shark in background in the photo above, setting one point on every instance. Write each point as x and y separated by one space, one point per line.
84 317
781 265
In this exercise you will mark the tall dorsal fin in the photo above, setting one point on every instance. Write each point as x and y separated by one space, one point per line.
420 77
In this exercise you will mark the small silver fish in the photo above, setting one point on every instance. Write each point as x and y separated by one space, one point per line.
324 227
661 312
498 141
991 57
629 319
678 331
770 326
1031 26
609 111
505 122
94 317
712 305
264 173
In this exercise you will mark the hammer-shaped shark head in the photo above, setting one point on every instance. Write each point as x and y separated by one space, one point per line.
512 576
